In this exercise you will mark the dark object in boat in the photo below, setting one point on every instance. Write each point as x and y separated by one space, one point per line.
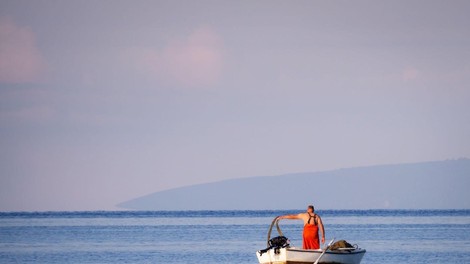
276 243
342 245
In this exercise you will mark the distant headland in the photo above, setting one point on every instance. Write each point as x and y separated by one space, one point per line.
425 185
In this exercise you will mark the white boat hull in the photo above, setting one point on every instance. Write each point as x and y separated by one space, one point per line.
302 256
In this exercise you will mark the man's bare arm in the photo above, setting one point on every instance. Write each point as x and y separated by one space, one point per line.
291 216
322 229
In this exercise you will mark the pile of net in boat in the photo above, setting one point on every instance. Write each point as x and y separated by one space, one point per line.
277 243
342 245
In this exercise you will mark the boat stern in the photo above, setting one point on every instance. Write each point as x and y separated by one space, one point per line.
272 256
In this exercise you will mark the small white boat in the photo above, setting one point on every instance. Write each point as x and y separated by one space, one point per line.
303 256
284 254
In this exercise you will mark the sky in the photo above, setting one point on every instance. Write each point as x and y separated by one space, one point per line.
105 101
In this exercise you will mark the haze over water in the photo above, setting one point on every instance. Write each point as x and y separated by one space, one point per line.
105 101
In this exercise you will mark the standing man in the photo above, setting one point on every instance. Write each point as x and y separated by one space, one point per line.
312 222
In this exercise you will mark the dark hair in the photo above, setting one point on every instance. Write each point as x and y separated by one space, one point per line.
311 207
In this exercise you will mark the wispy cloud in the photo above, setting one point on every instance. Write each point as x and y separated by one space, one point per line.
410 73
20 58
193 61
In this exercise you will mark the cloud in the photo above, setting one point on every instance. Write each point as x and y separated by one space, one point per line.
410 73
20 59
193 61
441 79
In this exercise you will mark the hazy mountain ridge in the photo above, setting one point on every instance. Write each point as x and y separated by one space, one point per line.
426 185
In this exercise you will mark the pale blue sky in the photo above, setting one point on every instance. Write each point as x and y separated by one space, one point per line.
104 101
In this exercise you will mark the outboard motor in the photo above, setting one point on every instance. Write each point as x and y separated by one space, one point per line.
277 243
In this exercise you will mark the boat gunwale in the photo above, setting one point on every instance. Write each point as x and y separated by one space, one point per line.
357 251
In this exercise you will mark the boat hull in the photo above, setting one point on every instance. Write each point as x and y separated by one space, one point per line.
301 256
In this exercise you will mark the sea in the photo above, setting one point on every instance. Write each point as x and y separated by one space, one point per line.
389 236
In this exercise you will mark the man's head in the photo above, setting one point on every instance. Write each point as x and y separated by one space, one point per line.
310 209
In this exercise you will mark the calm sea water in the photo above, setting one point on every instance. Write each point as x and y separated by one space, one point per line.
224 236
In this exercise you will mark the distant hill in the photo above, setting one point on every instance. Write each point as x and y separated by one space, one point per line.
427 185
